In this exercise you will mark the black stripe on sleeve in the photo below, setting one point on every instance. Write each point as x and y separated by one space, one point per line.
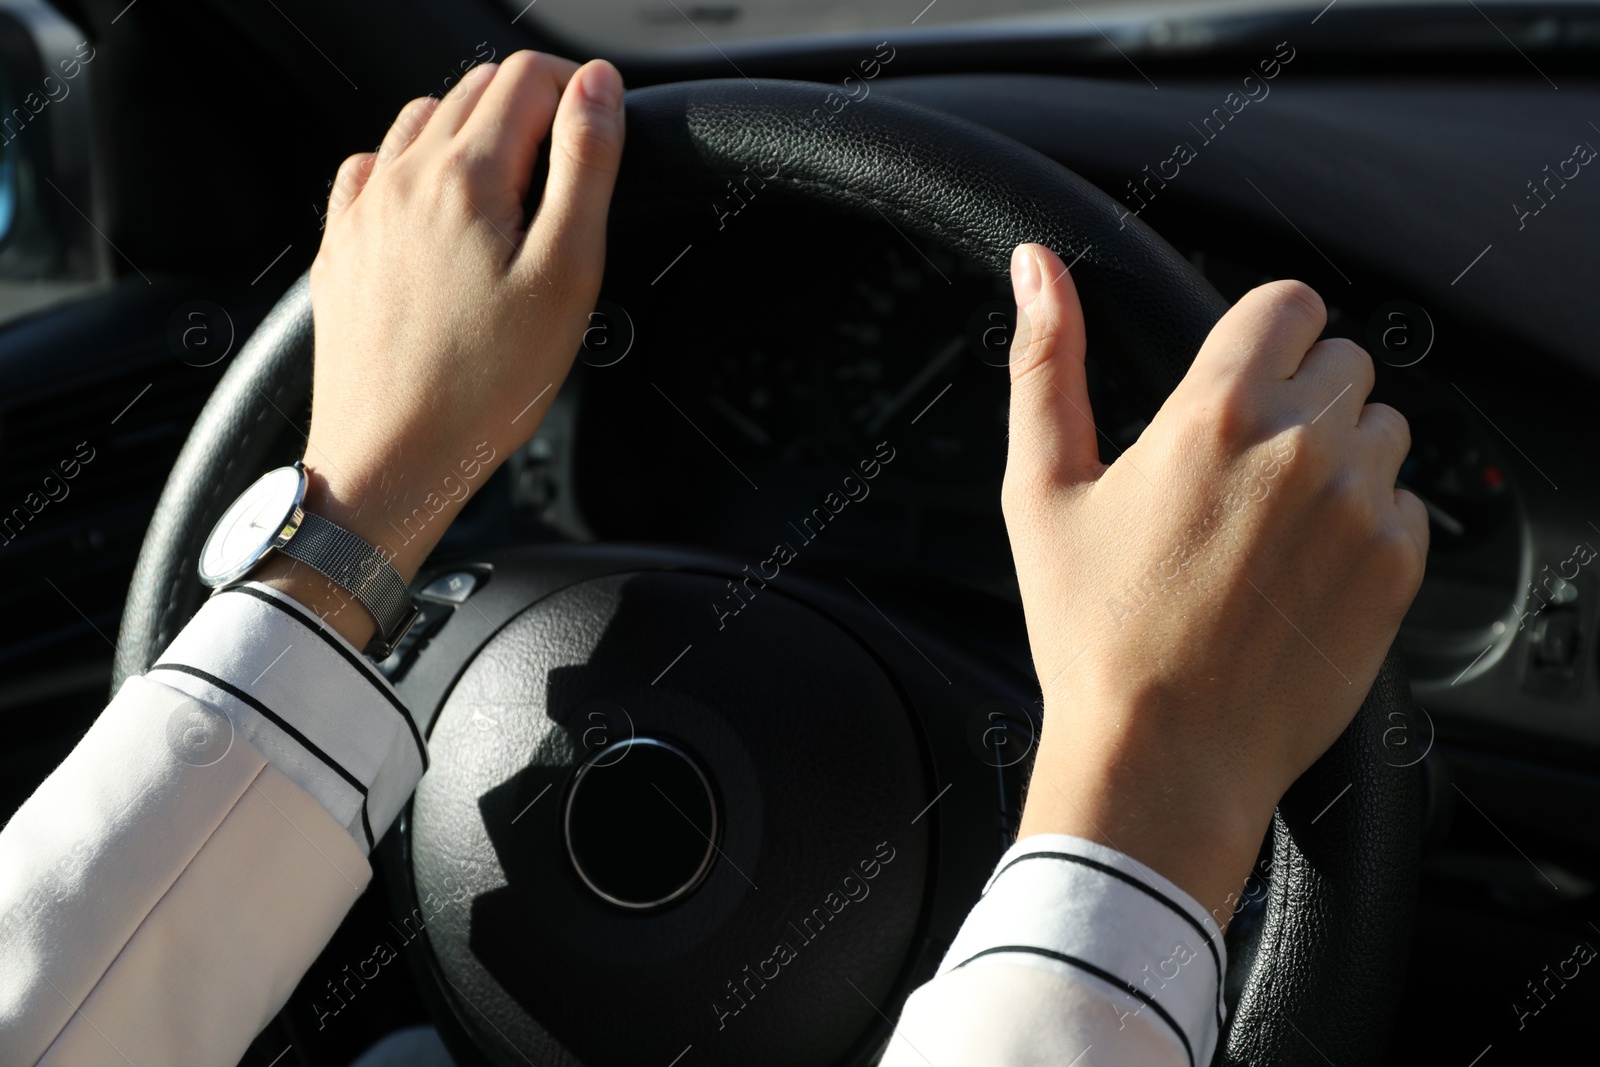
282 724
1149 890
1100 973
355 661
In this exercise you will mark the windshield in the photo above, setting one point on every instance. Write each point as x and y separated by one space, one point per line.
611 27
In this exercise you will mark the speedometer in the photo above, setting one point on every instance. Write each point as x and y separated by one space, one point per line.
848 342
1475 533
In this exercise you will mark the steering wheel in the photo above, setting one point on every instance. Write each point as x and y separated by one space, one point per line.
797 743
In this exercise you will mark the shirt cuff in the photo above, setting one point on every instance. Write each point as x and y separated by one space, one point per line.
306 698
1076 907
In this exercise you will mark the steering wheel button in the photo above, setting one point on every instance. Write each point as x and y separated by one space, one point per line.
452 588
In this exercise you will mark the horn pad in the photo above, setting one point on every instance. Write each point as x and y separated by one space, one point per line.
791 759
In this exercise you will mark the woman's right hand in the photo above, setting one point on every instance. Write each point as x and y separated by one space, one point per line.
1207 613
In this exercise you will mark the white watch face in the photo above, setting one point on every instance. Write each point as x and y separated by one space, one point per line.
250 527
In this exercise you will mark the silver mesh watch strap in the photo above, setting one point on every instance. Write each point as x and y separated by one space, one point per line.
351 563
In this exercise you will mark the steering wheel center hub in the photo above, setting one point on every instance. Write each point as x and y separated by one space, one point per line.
629 804
630 848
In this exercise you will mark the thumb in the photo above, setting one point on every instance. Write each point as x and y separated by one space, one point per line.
1052 439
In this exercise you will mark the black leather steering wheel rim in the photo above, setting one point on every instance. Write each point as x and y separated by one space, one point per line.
1322 971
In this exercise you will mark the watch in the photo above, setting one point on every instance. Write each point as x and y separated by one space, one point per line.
270 516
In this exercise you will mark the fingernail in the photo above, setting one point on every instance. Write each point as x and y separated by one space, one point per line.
603 85
1024 275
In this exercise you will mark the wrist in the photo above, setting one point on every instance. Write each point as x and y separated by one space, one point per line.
1153 801
401 509
340 611
357 505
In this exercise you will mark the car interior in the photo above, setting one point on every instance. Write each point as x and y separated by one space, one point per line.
805 291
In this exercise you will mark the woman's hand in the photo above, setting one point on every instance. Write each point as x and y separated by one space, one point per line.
1207 613
445 320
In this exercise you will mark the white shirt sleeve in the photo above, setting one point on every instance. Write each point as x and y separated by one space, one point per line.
1076 954
306 699
165 888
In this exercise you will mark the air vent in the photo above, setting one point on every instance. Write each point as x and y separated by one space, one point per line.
68 546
